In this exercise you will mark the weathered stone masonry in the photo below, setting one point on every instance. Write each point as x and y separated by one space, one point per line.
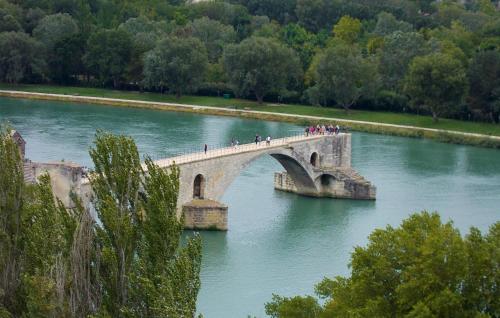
317 166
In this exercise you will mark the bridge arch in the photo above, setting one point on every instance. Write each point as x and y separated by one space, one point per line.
297 172
327 179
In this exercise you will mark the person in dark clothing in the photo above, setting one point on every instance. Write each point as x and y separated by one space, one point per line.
206 148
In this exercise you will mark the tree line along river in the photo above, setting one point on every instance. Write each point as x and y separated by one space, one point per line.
278 242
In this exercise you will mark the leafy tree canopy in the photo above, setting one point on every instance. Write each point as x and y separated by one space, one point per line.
177 64
347 29
424 268
344 75
436 82
108 55
397 51
214 35
53 28
484 81
388 24
21 58
260 66
56 262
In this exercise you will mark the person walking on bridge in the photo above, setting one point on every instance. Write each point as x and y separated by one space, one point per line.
206 148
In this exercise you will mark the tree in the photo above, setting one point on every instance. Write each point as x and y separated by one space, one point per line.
293 307
53 28
21 58
36 234
65 60
344 75
397 52
457 34
423 268
449 13
437 82
59 263
32 18
303 42
388 24
115 183
145 34
260 66
64 46
11 212
347 29
9 22
214 36
315 15
47 241
224 12
166 278
108 55
144 271
176 63
279 10
484 81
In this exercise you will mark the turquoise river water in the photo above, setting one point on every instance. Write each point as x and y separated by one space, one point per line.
279 242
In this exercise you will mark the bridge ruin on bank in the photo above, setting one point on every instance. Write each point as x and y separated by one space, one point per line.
317 165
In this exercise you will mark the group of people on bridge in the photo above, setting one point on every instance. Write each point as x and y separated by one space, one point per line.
258 140
322 130
309 131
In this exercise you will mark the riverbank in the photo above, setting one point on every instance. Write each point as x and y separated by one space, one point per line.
451 131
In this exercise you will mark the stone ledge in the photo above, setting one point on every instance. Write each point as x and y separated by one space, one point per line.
200 214
342 184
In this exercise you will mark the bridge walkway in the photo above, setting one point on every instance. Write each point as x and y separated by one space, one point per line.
231 150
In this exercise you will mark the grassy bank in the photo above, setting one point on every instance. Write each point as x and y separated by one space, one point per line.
273 111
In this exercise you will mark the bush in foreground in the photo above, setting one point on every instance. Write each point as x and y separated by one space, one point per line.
423 268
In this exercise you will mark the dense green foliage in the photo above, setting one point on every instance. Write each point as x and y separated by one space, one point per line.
424 268
344 75
58 262
176 63
436 81
112 44
260 66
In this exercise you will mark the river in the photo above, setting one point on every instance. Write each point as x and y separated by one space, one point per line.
278 242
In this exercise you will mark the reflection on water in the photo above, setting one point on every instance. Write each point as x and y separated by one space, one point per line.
279 242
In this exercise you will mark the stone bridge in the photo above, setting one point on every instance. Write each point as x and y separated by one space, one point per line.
318 165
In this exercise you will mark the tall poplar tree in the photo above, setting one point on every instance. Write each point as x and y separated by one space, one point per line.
36 236
11 206
145 271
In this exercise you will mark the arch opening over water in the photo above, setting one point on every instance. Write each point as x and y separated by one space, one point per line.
327 179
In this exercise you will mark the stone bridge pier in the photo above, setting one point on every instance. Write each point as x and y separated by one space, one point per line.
318 166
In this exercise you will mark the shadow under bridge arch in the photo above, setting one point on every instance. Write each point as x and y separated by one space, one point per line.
298 173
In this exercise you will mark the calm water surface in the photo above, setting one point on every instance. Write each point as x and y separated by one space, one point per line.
279 242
